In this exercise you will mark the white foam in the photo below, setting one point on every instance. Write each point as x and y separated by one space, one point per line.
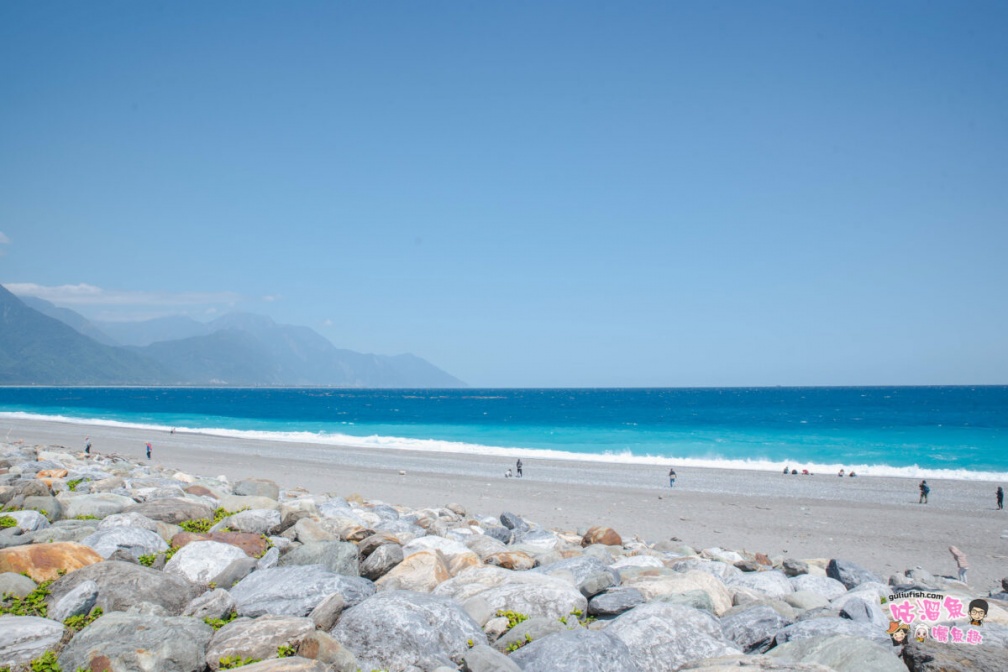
376 442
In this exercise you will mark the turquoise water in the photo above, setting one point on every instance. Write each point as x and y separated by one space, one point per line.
955 432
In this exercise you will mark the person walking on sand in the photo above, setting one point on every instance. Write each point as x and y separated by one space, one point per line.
1000 498
925 490
961 563
671 477
87 447
518 468
148 450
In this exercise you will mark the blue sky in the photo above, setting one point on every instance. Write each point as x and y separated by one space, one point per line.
528 194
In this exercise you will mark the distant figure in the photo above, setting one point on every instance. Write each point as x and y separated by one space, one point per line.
508 474
851 475
518 468
805 472
961 562
172 430
925 490
841 473
785 471
671 477
794 472
1000 498
148 450
87 447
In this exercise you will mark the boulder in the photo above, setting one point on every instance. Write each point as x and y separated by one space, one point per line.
662 637
200 561
336 556
513 522
820 585
577 650
931 656
751 663
662 583
328 611
752 627
98 505
308 531
77 602
121 642
523 592
254 521
16 584
293 664
398 629
257 487
122 585
253 545
47 505
513 560
849 574
173 510
826 627
589 575
601 535
44 562
295 591
842 654
482 658
422 572
133 541
806 600
216 603
235 571
614 602
256 638
792 567
381 561
865 610
29 521
238 503
772 584
531 629
24 638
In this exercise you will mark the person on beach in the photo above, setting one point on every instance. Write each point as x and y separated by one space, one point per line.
785 471
925 490
978 609
961 562
518 468
87 447
841 474
148 450
1000 498
671 477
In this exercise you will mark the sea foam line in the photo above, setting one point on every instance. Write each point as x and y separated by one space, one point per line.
376 442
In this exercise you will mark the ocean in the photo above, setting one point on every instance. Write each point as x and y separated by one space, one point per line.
938 432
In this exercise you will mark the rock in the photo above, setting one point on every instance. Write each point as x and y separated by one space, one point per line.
97 505
820 585
513 522
239 503
931 656
216 603
513 560
77 602
162 529
323 647
134 541
482 658
295 591
62 530
16 584
336 556
792 567
47 505
328 611
865 610
307 531
655 583
499 532
772 584
29 521
254 521
523 592
293 664
849 574
44 562
421 572
805 600
24 638
256 638
381 561
200 561
398 629
751 663
824 628
257 487
752 627
173 510
614 602
664 636
575 651
842 654
121 642
236 570
122 585
601 535
253 545
586 573
530 630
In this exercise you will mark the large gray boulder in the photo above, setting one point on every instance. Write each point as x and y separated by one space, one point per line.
826 627
336 556
482 658
77 602
47 505
254 521
661 636
820 585
753 627
381 561
122 585
842 654
199 562
256 638
931 656
399 629
849 573
577 650
257 487
29 521
133 541
295 591
16 584
98 505
120 642
173 510
294 664
585 573
773 584
24 638
615 601
523 592
867 610
216 603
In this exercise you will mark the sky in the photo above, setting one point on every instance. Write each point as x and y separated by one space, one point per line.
526 194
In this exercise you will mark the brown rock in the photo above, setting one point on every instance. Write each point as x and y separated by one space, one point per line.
601 535
52 473
201 491
43 562
516 560
253 544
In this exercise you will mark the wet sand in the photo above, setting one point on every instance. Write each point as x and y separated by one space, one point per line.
874 521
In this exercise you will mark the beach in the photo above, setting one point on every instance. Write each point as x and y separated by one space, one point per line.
873 521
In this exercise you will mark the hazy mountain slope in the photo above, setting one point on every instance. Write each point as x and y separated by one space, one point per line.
69 317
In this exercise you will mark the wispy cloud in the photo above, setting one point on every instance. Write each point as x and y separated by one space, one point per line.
128 305
4 240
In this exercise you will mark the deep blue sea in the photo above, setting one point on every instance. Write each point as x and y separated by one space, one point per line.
951 432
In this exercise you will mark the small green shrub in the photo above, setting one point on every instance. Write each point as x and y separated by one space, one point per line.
73 483
86 516
47 662
32 604
7 521
285 651
513 617
218 623
76 623
147 560
231 662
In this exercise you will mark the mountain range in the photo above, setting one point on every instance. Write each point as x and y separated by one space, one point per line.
43 344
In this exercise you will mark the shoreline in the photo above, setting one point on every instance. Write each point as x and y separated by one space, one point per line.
872 520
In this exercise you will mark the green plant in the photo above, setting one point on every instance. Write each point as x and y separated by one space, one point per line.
231 662
285 651
73 483
86 516
7 521
80 622
47 662
517 644
218 623
513 617
201 525
32 604
147 560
